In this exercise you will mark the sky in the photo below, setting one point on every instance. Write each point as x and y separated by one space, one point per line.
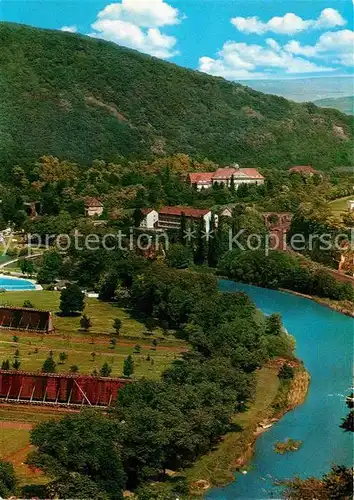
236 39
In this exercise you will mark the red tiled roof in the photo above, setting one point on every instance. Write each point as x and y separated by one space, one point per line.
187 211
252 172
305 169
201 177
93 202
224 173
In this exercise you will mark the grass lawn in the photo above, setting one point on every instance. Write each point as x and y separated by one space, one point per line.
340 205
14 448
101 313
150 361
217 467
34 348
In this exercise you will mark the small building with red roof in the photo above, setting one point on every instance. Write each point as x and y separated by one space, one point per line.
93 207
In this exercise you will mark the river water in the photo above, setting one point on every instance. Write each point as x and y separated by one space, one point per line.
324 341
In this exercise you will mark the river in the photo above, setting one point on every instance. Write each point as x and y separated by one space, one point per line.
324 341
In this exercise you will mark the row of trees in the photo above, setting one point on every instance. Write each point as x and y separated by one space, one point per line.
281 270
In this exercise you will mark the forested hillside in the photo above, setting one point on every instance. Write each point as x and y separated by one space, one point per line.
81 99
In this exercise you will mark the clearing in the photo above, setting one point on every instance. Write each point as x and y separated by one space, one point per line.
152 351
340 205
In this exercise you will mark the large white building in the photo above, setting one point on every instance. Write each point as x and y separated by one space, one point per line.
226 176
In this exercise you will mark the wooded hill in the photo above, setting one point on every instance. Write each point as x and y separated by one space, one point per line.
81 99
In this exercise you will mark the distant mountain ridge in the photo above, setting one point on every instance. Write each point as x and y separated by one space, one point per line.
308 89
81 99
343 104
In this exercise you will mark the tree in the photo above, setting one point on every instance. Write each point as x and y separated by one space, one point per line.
105 370
51 266
8 481
199 253
337 484
138 217
26 267
150 324
113 343
76 486
74 369
15 339
128 368
63 357
212 244
274 324
28 304
117 325
5 365
49 365
16 364
85 323
286 372
179 256
72 300
83 453
348 422
183 230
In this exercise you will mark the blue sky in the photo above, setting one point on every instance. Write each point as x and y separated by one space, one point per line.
236 39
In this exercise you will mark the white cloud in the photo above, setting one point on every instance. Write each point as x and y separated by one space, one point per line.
336 47
136 23
69 29
289 24
329 18
273 44
144 13
152 41
241 60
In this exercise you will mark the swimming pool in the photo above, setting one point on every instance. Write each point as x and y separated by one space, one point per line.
15 284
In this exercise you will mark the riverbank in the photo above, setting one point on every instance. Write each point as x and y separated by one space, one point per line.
342 306
273 399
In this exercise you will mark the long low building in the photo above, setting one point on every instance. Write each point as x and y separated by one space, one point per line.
57 389
229 176
171 217
27 319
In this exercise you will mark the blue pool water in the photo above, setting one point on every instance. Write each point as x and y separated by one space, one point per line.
15 284
324 341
